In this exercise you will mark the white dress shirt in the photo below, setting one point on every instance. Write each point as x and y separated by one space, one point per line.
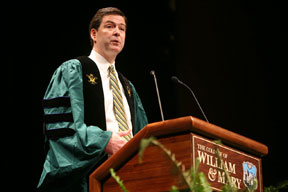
103 66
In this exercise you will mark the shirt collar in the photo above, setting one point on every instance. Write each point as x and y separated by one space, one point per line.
101 62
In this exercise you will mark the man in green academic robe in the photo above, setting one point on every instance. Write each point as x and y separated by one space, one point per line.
80 125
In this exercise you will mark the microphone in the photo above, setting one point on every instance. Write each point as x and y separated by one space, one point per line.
176 80
159 101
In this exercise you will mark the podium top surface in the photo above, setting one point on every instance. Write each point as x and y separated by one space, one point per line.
198 126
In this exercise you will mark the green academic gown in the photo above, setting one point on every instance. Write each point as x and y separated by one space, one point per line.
75 125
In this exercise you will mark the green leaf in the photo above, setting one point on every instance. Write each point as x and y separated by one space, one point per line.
174 189
143 145
219 142
204 182
278 187
118 180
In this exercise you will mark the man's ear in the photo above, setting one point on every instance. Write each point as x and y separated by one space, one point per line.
93 34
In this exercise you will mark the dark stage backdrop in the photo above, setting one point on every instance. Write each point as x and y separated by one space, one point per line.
219 48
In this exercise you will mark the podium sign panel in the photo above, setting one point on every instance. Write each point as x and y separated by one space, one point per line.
243 169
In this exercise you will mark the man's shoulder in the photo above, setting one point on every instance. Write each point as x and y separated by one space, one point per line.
72 65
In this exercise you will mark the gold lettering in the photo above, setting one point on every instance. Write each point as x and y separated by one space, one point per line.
225 166
236 182
232 168
215 162
201 147
221 177
202 156
212 174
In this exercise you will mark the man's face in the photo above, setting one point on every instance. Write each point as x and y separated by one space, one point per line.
110 36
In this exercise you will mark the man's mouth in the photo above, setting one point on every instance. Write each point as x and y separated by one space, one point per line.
115 41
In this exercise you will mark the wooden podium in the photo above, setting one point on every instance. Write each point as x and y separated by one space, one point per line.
188 138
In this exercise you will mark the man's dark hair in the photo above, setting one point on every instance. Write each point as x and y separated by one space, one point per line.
97 18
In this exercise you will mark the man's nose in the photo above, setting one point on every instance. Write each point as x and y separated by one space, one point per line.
116 32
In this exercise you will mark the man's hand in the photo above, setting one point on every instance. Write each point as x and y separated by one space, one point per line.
116 142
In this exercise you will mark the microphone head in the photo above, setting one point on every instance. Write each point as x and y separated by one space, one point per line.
175 79
152 72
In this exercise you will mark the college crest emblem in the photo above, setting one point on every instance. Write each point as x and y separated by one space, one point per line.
250 176
128 90
92 79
